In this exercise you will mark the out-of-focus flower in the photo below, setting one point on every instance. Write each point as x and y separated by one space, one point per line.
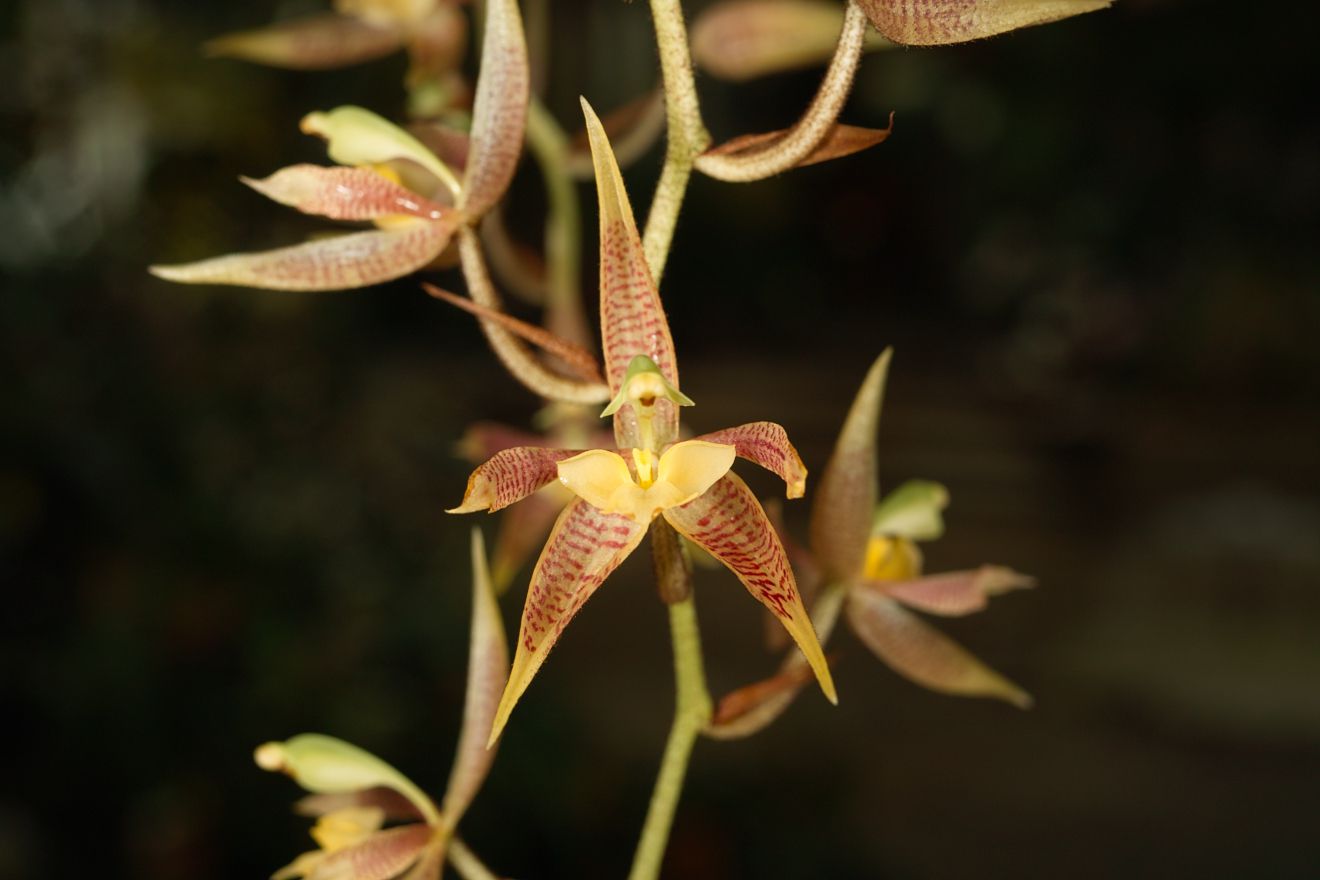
618 493
354 793
864 559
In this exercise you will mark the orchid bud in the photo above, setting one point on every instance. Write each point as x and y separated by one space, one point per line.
913 510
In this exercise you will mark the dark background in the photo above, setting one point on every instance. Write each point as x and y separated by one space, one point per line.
1094 248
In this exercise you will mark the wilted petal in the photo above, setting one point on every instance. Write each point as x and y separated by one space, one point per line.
499 111
743 39
584 547
510 476
355 136
344 193
841 512
840 140
729 523
358 259
315 42
916 23
384 855
919 652
956 593
632 321
326 765
766 444
488 663
387 800
914 510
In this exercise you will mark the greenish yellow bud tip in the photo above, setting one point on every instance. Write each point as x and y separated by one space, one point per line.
643 385
270 756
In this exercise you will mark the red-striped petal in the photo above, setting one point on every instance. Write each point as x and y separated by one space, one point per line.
922 654
766 444
845 499
955 593
632 321
925 23
585 546
344 193
729 524
510 476
381 856
359 259
499 111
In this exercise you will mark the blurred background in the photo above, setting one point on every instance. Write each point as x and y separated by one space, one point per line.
1093 246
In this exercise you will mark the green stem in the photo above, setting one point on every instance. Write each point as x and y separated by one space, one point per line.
687 136
691 715
563 229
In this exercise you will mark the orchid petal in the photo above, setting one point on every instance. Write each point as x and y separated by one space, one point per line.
740 40
488 662
935 24
383 855
523 529
956 593
314 42
383 12
804 568
841 513
584 547
913 510
451 145
430 863
632 321
389 801
839 140
359 259
919 652
766 444
892 559
344 193
729 523
602 479
347 827
355 136
693 466
326 765
510 476
685 471
632 129
499 110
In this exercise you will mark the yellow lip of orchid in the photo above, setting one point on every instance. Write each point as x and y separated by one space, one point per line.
684 472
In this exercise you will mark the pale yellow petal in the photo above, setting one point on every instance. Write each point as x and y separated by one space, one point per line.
602 479
689 468
355 136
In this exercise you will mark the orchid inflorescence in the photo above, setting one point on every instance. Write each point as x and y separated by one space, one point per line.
432 193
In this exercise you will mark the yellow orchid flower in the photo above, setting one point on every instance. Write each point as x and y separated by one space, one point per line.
354 793
649 474
865 558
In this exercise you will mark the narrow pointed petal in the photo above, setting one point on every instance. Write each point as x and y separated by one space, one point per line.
766 444
574 356
488 663
919 652
840 140
510 476
314 42
380 857
914 23
344 193
326 765
804 568
632 321
359 259
389 801
956 593
355 136
728 523
914 510
632 129
499 111
841 512
583 549
741 40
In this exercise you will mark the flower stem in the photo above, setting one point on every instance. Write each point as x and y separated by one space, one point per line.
466 863
687 136
690 716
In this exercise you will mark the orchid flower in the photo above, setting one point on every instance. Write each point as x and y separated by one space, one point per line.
619 492
353 793
865 560
433 32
